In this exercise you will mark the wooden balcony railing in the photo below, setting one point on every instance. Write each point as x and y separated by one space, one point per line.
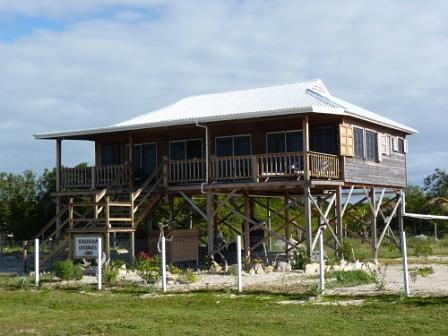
95 177
187 171
324 165
280 165
232 168
260 167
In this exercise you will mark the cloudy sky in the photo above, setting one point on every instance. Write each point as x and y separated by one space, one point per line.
82 63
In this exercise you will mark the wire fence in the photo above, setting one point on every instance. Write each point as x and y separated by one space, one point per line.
272 270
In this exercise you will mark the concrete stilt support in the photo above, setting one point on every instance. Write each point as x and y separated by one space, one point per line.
308 220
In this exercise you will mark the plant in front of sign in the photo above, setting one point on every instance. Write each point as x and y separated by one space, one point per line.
111 271
66 270
148 268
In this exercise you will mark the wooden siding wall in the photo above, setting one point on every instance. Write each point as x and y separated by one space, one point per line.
390 171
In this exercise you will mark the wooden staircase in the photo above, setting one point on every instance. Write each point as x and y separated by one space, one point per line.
100 212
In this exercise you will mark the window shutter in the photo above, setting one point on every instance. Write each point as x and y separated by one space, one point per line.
406 146
395 144
346 140
384 144
380 140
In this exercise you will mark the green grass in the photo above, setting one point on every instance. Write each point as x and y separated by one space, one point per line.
350 278
43 312
387 250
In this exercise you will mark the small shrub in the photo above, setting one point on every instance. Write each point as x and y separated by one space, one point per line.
174 269
299 258
351 278
187 277
346 249
78 272
110 274
67 270
423 248
148 269
422 271
314 290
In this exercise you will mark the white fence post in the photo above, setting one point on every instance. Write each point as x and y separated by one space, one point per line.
239 279
404 254
321 262
163 265
100 263
36 262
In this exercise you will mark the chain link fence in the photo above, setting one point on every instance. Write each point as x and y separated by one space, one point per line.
270 269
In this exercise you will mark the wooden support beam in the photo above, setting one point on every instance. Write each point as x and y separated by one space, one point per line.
339 215
308 220
58 184
246 234
193 205
210 224
373 223
306 146
286 214
130 160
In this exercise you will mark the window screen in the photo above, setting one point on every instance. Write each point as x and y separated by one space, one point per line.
359 142
371 146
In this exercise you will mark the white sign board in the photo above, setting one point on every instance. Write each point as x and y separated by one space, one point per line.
86 246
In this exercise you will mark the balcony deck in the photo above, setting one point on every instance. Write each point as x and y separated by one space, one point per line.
232 171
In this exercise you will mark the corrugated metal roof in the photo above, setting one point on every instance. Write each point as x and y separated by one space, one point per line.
311 96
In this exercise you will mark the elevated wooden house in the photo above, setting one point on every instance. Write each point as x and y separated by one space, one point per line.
295 141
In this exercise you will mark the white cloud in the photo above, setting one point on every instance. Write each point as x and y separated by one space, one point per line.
119 61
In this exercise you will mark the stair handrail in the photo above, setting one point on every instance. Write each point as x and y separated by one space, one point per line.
148 181
50 223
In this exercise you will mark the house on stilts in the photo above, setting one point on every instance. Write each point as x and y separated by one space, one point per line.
236 150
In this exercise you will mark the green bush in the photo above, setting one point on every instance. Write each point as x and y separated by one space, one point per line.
299 258
351 278
148 268
67 270
188 277
346 249
423 248
111 271
110 274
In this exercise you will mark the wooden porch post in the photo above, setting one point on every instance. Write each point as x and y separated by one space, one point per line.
308 220
130 160
373 224
306 147
339 219
58 183
210 224
400 212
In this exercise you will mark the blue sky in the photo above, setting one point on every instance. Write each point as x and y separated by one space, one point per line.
85 63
